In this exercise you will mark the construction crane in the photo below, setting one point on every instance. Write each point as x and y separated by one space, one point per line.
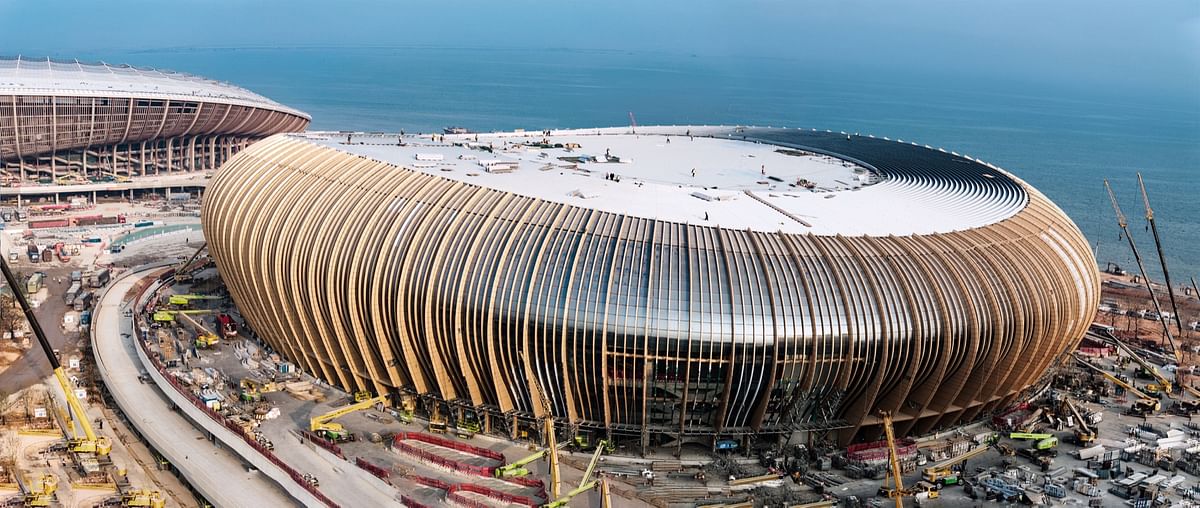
90 442
517 468
324 426
1124 224
937 472
1084 435
205 338
586 484
1147 403
184 300
1162 261
894 473
168 316
1163 385
41 493
143 498
182 274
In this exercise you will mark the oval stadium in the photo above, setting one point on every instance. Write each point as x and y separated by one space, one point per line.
69 126
661 287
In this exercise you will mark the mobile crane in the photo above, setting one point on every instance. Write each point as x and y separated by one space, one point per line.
185 300
1084 435
182 273
41 493
894 473
1146 403
940 471
205 338
168 316
324 427
89 442
1124 225
143 498
517 468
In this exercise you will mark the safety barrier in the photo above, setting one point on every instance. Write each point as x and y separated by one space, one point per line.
451 444
409 502
379 472
324 443
454 465
191 397
429 482
452 494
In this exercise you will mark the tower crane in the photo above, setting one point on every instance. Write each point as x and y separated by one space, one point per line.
1124 224
89 442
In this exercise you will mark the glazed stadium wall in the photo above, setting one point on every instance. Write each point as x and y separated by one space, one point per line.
56 136
392 280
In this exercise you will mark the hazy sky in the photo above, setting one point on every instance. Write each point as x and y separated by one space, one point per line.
1151 47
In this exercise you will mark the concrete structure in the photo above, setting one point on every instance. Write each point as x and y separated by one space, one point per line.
216 473
65 122
680 284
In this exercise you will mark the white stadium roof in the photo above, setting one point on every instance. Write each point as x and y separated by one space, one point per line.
50 77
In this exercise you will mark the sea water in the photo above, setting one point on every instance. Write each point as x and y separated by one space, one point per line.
1063 139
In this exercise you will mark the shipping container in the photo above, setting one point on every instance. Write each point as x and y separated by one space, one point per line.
49 223
143 223
84 300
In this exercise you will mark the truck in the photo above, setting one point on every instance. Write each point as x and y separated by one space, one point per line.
84 300
50 223
76 276
101 277
34 284
47 255
72 292
34 253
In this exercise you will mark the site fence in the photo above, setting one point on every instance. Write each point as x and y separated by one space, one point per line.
232 425
399 444
324 443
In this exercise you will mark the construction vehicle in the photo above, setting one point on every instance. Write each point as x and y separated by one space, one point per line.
168 316
1046 444
517 468
584 444
587 483
894 474
408 408
1124 225
186 300
324 426
85 441
1029 435
1145 405
437 422
252 391
41 492
183 271
1084 434
143 498
228 326
950 467
360 396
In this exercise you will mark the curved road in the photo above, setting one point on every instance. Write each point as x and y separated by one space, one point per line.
216 472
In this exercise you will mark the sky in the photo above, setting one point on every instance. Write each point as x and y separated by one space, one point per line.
1127 47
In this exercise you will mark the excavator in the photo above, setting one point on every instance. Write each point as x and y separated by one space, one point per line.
324 426
79 442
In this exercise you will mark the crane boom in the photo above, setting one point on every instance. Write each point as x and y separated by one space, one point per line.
1163 382
1128 387
898 493
322 423
1124 224
90 442
1162 260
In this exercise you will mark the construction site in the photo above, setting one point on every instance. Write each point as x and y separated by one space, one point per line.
137 382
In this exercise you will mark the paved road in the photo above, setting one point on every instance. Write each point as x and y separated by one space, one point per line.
194 179
216 472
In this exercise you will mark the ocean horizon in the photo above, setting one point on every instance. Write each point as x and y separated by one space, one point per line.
1063 138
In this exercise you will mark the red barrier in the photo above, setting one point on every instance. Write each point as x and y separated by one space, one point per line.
451 444
429 482
379 472
323 443
490 493
409 502
217 417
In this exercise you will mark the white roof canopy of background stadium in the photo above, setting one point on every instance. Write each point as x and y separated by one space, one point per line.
736 184
47 77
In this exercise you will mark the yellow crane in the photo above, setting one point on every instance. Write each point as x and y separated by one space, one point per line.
41 493
184 300
205 338
1163 385
143 498
324 426
1147 402
894 473
1124 225
1084 435
937 472
89 442
182 272
168 316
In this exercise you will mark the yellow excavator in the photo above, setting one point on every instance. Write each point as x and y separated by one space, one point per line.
78 442
324 426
